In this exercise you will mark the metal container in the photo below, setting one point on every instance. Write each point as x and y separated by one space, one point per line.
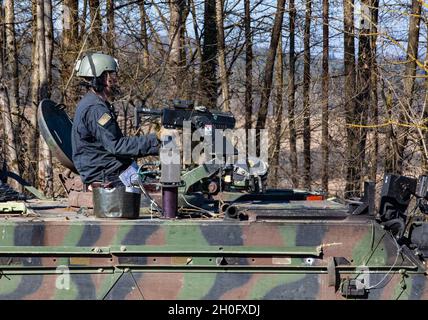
116 203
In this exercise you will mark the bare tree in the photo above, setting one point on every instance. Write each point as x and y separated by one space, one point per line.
424 141
176 61
44 18
95 38
268 70
144 36
374 91
391 147
207 75
69 48
306 98
33 147
248 66
12 62
10 154
275 146
292 97
352 178
82 24
221 56
110 26
48 21
408 82
9 92
325 78
363 86
196 30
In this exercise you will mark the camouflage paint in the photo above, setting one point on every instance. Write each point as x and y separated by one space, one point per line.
199 259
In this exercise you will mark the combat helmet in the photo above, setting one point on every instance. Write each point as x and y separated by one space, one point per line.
94 64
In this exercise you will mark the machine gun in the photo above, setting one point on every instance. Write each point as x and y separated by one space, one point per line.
203 182
175 117
183 110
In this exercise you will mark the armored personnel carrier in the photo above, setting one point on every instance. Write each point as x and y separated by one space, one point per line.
211 231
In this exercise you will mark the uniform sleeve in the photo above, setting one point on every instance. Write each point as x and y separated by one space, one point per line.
107 131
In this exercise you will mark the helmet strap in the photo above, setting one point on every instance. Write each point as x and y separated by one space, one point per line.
97 84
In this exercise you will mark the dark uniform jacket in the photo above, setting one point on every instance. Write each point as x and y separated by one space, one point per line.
100 151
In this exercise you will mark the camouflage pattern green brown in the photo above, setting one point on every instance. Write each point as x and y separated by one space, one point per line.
60 254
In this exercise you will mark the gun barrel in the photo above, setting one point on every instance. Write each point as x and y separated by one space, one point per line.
174 118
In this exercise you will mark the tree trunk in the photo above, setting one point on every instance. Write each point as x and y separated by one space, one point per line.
2 40
325 78
69 49
221 55
352 179
10 95
45 158
48 21
7 134
409 80
110 26
292 98
391 146
363 87
196 29
198 52
70 20
95 38
207 78
33 148
82 31
176 61
424 140
276 135
183 54
374 93
306 104
424 164
10 155
268 71
144 37
12 63
248 66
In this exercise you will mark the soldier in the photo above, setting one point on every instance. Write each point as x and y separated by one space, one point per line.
100 151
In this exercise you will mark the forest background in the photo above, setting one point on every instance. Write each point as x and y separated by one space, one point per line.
341 85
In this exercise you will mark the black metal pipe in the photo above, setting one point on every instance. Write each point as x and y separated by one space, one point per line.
232 212
169 201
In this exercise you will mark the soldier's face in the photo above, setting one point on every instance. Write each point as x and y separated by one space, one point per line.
111 79
112 84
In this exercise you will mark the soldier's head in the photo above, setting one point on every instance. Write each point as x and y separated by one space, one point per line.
99 72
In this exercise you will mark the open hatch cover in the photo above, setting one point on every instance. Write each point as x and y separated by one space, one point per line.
55 127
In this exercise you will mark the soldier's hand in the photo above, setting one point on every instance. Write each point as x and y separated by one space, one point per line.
166 136
162 133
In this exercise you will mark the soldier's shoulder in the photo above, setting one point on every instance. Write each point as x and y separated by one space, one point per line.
91 103
91 99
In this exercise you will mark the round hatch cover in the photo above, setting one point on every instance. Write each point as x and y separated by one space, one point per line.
55 127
